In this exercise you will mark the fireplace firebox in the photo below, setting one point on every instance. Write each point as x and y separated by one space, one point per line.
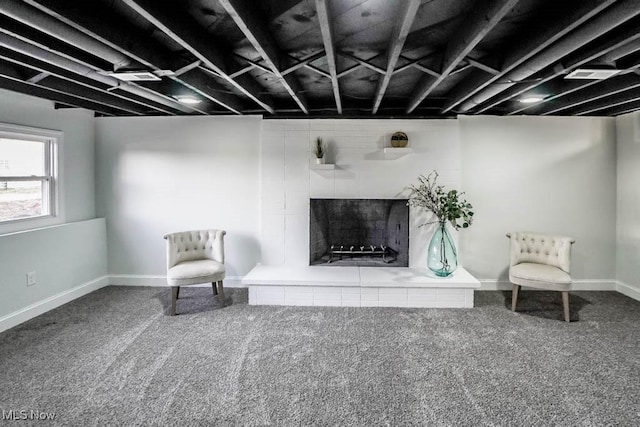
359 232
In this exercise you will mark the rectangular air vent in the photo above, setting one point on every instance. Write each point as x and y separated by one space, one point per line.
135 76
591 74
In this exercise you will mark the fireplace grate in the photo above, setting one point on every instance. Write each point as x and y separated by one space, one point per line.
339 251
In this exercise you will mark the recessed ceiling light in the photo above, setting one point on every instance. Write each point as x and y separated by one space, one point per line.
187 99
592 74
134 76
531 99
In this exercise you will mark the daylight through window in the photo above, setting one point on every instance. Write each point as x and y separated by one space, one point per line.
27 175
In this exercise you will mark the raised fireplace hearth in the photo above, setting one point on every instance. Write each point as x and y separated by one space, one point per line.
359 232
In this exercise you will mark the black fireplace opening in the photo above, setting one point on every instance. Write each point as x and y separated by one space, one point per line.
359 232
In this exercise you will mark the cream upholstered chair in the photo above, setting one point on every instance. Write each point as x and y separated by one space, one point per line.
540 261
195 257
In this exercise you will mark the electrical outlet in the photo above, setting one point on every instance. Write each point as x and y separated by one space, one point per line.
31 278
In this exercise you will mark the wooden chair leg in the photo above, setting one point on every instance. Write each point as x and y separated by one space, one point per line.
514 297
221 293
565 303
178 292
215 288
174 297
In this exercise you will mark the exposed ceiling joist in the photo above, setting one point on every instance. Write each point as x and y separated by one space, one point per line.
254 29
482 66
107 100
406 14
476 26
195 40
53 58
17 85
622 109
112 39
300 63
326 30
631 94
607 21
38 77
202 84
614 55
557 90
526 49
247 57
45 69
364 63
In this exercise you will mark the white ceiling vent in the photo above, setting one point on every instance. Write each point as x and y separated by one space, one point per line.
135 76
591 74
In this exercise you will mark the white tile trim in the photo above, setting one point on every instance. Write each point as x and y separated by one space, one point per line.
47 304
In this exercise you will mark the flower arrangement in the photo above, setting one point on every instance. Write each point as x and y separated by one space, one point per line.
445 205
319 150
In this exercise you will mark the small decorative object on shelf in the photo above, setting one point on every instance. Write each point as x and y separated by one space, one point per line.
447 206
319 151
399 139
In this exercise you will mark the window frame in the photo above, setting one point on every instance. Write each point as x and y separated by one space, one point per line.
51 196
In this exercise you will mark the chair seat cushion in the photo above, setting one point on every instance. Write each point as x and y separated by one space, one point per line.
194 272
539 276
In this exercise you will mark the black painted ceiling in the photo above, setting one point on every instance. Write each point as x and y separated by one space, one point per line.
325 58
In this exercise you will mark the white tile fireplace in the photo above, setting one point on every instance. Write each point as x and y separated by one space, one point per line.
361 171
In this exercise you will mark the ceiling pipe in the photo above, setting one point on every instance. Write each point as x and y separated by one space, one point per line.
61 31
613 16
53 58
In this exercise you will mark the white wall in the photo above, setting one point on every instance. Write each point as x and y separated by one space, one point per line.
65 256
628 195
546 174
69 260
157 175
78 201
356 148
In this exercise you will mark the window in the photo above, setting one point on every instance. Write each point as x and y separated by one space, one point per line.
28 173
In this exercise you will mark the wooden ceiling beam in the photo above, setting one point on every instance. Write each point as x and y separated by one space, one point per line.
326 29
300 63
406 15
44 68
364 63
199 82
476 26
558 90
414 63
197 41
621 109
525 49
15 84
482 66
348 71
39 52
244 14
570 63
611 100
606 21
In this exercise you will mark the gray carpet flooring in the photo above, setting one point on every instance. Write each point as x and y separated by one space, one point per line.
115 358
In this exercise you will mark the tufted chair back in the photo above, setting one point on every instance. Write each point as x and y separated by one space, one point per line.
194 245
541 249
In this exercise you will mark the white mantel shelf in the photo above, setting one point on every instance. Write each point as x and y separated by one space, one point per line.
358 287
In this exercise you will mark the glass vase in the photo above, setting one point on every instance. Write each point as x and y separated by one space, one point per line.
442 258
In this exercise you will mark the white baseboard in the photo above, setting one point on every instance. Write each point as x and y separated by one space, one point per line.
41 307
628 290
577 285
153 280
